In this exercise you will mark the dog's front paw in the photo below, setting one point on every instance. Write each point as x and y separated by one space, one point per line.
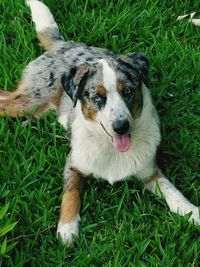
67 231
195 215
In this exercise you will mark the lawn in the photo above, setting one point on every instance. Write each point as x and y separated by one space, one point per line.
122 225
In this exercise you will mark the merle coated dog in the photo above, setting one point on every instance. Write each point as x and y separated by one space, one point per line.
103 99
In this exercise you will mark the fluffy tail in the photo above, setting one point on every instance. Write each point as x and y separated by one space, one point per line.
46 27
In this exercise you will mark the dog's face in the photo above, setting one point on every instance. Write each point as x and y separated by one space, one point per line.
110 94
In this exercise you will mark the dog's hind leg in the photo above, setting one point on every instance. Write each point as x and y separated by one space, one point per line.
13 104
4 94
19 103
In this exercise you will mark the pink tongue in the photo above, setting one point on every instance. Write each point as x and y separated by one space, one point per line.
122 143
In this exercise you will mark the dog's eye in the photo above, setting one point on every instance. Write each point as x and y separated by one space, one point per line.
127 92
99 100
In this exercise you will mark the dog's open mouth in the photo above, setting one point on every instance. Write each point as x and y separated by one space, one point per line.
122 143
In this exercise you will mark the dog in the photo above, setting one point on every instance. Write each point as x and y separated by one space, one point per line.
104 101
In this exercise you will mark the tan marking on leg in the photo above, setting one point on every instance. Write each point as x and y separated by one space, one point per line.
5 93
42 109
153 179
71 201
55 99
52 103
14 105
19 104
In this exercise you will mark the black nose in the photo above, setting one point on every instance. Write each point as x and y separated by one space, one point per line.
121 126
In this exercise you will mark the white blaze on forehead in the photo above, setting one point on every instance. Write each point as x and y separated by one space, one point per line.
41 15
115 107
109 76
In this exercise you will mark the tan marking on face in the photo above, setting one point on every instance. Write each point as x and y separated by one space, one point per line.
89 111
121 86
71 201
101 90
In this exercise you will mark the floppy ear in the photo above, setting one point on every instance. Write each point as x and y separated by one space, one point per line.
74 81
140 62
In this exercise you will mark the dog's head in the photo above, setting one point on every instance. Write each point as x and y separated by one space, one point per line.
110 93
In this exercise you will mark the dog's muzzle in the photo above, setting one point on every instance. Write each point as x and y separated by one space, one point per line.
122 140
121 127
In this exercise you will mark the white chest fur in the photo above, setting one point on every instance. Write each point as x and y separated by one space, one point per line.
96 155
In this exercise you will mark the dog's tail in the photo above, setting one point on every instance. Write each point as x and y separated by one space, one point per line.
46 27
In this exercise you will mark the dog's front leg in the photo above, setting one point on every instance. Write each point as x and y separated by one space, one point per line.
177 203
70 207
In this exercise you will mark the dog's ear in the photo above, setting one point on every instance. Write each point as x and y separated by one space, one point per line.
140 62
74 81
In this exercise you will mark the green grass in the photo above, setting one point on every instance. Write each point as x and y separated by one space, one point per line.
122 225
